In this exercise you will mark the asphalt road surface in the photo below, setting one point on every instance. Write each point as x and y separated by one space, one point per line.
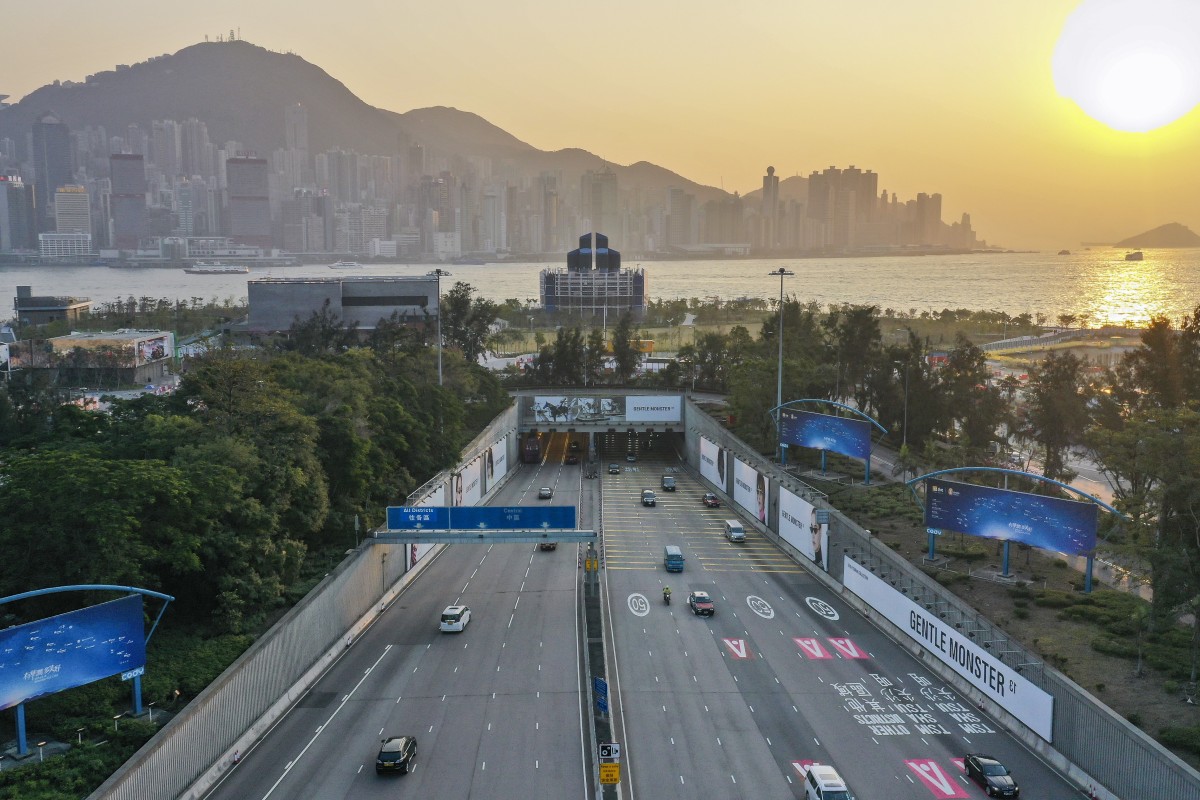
784 674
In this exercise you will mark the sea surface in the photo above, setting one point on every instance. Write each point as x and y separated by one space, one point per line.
1097 286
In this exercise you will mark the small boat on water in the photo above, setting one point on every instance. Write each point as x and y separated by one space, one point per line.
1135 255
345 265
200 268
1064 252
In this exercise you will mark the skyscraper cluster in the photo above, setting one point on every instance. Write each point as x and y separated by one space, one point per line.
85 193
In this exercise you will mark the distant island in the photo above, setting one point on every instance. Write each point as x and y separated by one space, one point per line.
1170 235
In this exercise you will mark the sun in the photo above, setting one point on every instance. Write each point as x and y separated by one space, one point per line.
1133 65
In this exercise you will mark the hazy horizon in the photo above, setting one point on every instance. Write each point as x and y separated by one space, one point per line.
934 96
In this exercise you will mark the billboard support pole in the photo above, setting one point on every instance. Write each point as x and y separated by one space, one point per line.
22 745
932 545
1087 575
137 695
1004 572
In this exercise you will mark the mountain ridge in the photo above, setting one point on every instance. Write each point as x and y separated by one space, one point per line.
239 90
1172 234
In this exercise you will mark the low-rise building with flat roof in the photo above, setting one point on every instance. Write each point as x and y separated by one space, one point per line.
359 301
34 309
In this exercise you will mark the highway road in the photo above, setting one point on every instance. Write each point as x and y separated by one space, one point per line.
737 705
497 709
734 706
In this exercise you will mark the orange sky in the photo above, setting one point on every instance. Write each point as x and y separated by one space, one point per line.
933 95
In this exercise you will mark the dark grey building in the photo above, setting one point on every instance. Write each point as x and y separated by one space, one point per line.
52 166
128 202
276 303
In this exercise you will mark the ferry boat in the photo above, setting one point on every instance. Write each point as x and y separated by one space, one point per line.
1136 255
201 268
345 265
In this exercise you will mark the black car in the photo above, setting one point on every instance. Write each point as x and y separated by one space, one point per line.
573 446
545 493
648 498
572 459
991 775
631 457
614 469
396 755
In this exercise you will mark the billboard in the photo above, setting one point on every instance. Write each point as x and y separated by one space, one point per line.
803 527
750 489
952 647
495 464
1050 523
434 499
557 409
712 463
467 483
72 649
500 517
653 409
155 348
850 437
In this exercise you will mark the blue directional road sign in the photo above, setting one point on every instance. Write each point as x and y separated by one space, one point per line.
410 518
512 517
602 704
600 687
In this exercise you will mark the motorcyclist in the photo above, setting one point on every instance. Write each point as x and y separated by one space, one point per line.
667 595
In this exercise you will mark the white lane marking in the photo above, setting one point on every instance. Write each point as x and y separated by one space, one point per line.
313 740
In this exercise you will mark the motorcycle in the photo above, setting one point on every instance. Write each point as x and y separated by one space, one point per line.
667 596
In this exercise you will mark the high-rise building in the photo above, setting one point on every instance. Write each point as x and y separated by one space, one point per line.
769 210
128 203
295 127
249 203
679 222
72 210
196 151
928 222
52 166
165 142
16 215
594 282
599 199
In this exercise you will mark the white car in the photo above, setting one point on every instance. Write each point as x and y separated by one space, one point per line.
455 619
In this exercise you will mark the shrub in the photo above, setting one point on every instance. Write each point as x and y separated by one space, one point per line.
1134 719
1114 647
1060 564
1021 613
1187 739
1051 598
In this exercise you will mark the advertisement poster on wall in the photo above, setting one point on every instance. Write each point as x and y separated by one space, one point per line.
467 483
712 463
417 551
1015 694
751 489
495 464
803 527
653 409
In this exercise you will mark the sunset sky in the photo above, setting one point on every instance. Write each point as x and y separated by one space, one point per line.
933 95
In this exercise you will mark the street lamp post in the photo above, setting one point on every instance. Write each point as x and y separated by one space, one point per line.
782 273
438 274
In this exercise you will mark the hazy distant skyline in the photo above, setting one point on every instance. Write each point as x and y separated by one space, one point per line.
933 95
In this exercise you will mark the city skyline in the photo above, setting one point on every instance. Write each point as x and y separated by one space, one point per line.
938 97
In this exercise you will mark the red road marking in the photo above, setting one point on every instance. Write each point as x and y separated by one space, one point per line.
960 763
738 648
935 778
802 767
812 648
847 648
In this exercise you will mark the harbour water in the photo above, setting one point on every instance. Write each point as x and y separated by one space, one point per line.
1097 286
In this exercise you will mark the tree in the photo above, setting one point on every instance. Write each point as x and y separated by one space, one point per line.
1057 410
466 320
626 355
593 357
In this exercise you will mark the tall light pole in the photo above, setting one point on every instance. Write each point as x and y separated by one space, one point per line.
782 273
438 274
904 437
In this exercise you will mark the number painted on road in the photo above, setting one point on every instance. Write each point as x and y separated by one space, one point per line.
821 607
638 604
760 607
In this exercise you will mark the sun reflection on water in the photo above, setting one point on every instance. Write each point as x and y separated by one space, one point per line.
1126 293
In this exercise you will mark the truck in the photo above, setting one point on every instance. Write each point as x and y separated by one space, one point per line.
531 450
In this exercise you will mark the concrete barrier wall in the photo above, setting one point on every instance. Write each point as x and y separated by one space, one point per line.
1093 745
197 746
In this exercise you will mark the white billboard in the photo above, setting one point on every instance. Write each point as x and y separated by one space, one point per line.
435 498
495 464
712 463
653 409
467 483
800 527
750 489
1015 694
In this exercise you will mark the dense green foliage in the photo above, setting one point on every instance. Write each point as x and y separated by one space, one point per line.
231 495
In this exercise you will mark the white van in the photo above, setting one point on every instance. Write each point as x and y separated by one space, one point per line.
455 619
734 531
822 782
